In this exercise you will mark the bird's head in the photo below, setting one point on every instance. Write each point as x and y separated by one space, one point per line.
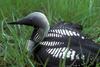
40 23
36 19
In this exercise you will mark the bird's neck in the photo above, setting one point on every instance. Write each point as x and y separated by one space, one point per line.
38 35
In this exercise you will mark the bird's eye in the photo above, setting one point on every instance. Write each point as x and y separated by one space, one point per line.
30 19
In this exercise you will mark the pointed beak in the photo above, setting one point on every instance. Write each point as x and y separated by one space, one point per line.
23 21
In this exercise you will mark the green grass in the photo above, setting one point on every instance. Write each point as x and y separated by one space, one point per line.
13 39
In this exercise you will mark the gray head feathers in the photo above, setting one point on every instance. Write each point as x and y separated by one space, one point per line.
36 19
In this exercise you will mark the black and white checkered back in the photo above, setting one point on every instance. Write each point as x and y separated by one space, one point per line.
64 41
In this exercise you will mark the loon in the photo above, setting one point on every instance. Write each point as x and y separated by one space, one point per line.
60 44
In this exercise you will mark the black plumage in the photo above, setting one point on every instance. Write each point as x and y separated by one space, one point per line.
62 43
85 50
